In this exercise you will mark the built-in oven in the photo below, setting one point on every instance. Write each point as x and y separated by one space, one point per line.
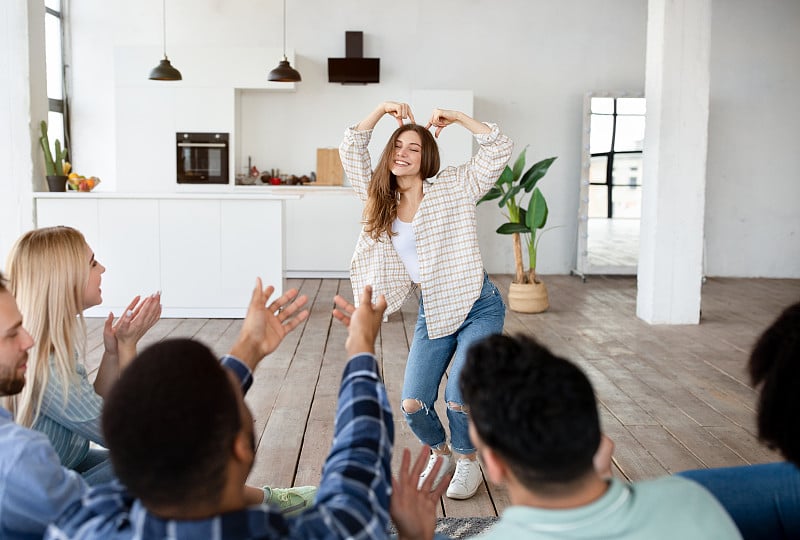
202 158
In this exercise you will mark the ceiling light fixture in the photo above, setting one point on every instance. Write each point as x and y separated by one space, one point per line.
164 70
284 72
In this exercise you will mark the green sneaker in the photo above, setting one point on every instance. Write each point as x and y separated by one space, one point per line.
291 501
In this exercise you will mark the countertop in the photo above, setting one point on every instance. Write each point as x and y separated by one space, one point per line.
205 192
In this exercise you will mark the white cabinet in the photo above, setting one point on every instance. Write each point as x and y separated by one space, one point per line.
321 233
202 252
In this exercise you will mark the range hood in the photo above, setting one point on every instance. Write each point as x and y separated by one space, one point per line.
354 68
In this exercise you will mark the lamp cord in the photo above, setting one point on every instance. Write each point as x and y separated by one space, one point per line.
284 28
164 25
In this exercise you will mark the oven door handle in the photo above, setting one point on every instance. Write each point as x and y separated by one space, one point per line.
202 145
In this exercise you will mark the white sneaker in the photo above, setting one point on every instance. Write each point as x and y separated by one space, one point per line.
447 466
466 479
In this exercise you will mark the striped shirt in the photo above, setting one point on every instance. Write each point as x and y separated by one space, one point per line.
352 501
445 228
72 424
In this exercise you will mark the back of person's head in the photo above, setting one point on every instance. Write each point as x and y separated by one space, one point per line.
170 424
535 410
775 365
48 271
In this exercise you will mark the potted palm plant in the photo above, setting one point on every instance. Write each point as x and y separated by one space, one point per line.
527 293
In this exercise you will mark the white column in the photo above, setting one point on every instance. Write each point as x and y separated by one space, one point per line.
23 104
676 140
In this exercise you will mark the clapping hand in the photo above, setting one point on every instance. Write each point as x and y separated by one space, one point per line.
265 326
121 337
413 508
363 323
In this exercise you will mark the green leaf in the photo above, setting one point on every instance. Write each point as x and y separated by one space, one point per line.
511 228
519 164
535 173
509 195
493 193
507 177
537 211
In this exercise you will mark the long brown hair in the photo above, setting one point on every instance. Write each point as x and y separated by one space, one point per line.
380 210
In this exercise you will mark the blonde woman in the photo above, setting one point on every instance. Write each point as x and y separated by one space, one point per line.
54 276
420 229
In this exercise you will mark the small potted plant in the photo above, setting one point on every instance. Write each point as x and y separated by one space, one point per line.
527 294
57 169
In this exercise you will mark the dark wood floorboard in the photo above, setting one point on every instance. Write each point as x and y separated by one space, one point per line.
671 397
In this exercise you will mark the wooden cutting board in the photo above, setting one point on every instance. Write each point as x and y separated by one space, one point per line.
329 167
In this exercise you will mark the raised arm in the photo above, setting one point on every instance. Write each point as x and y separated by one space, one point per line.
265 325
354 152
441 118
400 111
353 497
479 174
120 339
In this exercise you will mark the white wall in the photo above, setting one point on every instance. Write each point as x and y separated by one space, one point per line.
22 106
527 62
753 186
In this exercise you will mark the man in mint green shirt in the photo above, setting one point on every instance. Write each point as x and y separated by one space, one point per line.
534 420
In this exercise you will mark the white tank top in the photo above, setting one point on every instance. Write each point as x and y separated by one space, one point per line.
406 246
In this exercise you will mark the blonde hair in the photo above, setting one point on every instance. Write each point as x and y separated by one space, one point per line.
380 209
48 273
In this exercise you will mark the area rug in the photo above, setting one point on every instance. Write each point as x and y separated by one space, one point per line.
454 527
463 527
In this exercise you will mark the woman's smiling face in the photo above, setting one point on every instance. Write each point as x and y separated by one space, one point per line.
407 154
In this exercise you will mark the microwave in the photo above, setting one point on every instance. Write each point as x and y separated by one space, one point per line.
202 158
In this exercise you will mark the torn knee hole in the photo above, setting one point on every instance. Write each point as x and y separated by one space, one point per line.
410 406
457 407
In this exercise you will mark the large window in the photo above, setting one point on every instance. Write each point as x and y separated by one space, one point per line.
58 110
615 171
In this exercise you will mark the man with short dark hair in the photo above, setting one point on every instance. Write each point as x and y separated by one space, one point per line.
186 476
534 420
34 487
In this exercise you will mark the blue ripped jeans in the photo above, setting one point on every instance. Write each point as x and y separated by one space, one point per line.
428 360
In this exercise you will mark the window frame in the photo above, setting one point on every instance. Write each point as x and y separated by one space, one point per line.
610 155
61 105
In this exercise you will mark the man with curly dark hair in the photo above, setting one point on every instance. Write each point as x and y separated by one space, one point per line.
534 420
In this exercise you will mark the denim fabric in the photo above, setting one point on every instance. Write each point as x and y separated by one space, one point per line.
96 467
428 360
763 500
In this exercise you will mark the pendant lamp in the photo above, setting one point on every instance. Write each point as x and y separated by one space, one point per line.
284 72
164 70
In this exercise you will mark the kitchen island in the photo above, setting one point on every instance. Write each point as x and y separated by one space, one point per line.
203 251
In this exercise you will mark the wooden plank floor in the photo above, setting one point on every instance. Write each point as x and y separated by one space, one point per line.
672 397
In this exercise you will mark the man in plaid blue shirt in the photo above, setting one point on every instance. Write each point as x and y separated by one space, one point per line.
186 478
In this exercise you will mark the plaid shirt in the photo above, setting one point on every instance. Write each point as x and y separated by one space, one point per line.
445 228
352 501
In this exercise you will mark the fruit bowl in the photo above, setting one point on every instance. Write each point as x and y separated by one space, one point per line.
81 183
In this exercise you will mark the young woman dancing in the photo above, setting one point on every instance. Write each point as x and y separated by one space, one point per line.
420 230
